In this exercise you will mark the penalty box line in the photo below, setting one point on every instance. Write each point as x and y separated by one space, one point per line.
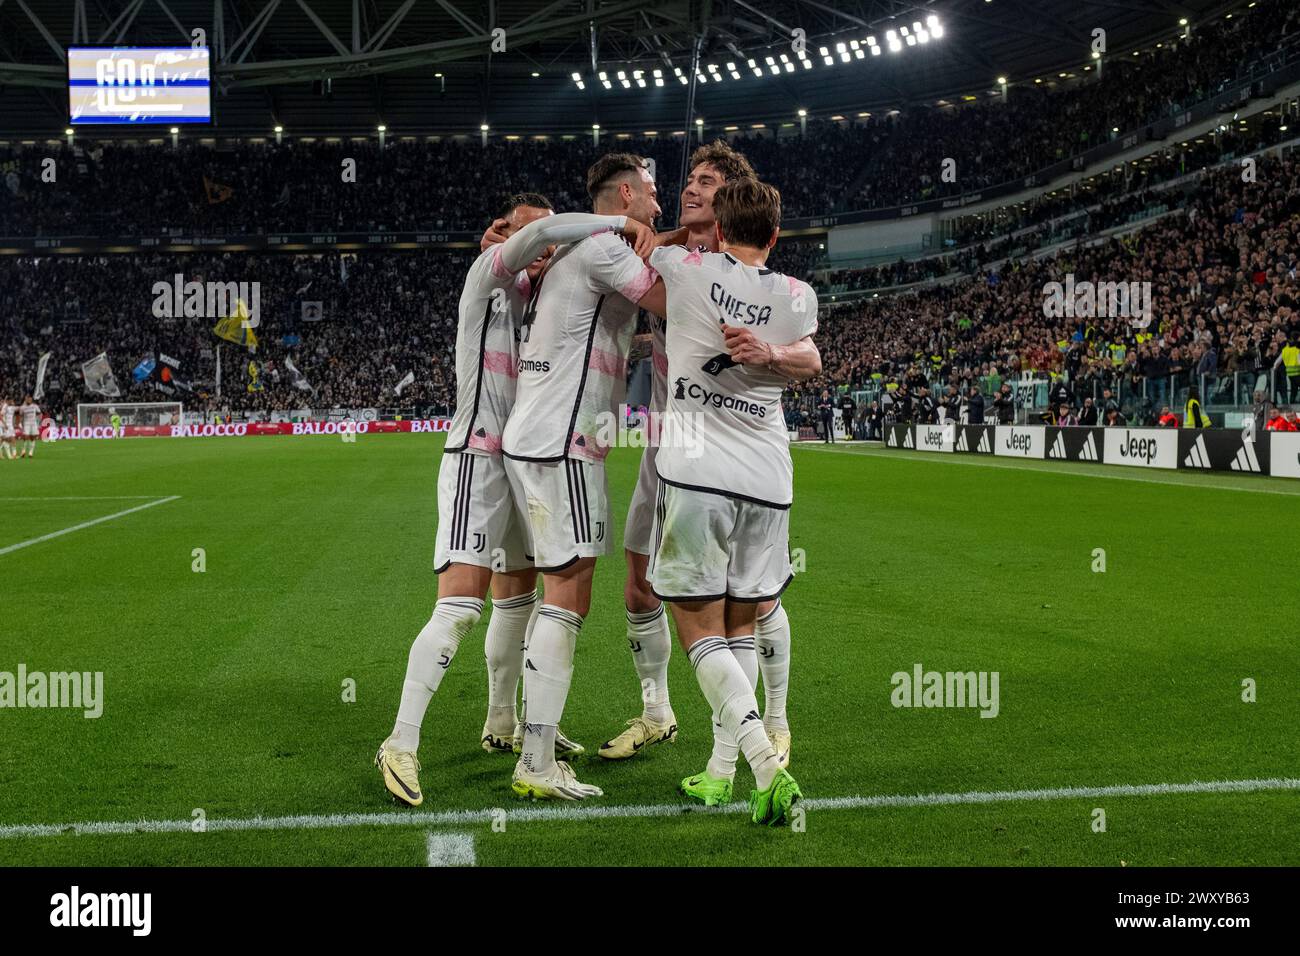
85 524
579 813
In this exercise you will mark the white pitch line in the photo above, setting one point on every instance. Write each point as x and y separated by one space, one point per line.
961 458
85 524
566 814
451 849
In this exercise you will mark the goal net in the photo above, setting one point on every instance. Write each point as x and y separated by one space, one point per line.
131 413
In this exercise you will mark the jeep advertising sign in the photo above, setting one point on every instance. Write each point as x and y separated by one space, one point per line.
935 437
1016 441
1142 447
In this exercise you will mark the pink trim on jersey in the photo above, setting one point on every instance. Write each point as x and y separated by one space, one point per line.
661 363
523 284
794 285
638 287
489 443
602 230
607 363
591 449
498 267
694 258
500 363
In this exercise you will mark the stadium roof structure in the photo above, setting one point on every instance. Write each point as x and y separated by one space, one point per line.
342 67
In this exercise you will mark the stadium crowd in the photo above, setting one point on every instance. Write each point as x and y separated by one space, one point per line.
384 315
450 184
1225 289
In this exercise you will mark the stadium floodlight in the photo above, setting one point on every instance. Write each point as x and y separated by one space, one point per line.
536 74
278 129
595 126
68 131
922 36
699 122
875 51
483 127
639 76
577 77
911 40
382 128
174 130
1002 81
802 113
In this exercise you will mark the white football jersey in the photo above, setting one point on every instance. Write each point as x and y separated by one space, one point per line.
730 435
491 303
575 338
31 416
487 335
7 416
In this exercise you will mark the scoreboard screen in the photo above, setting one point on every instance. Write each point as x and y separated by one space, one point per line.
139 85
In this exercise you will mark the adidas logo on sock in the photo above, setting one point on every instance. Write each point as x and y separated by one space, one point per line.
752 715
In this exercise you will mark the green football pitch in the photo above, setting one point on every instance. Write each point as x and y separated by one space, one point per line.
1147 713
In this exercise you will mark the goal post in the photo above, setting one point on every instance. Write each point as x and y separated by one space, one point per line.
132 413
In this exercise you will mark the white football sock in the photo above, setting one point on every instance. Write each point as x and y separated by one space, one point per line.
430 656
652 644
504 649
772 633
548 669
729 693
722 764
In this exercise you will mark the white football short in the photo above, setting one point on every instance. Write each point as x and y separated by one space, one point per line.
708 546
477 520
566 509
641 512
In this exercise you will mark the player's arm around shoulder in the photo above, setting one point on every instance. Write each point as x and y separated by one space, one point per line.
615 267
